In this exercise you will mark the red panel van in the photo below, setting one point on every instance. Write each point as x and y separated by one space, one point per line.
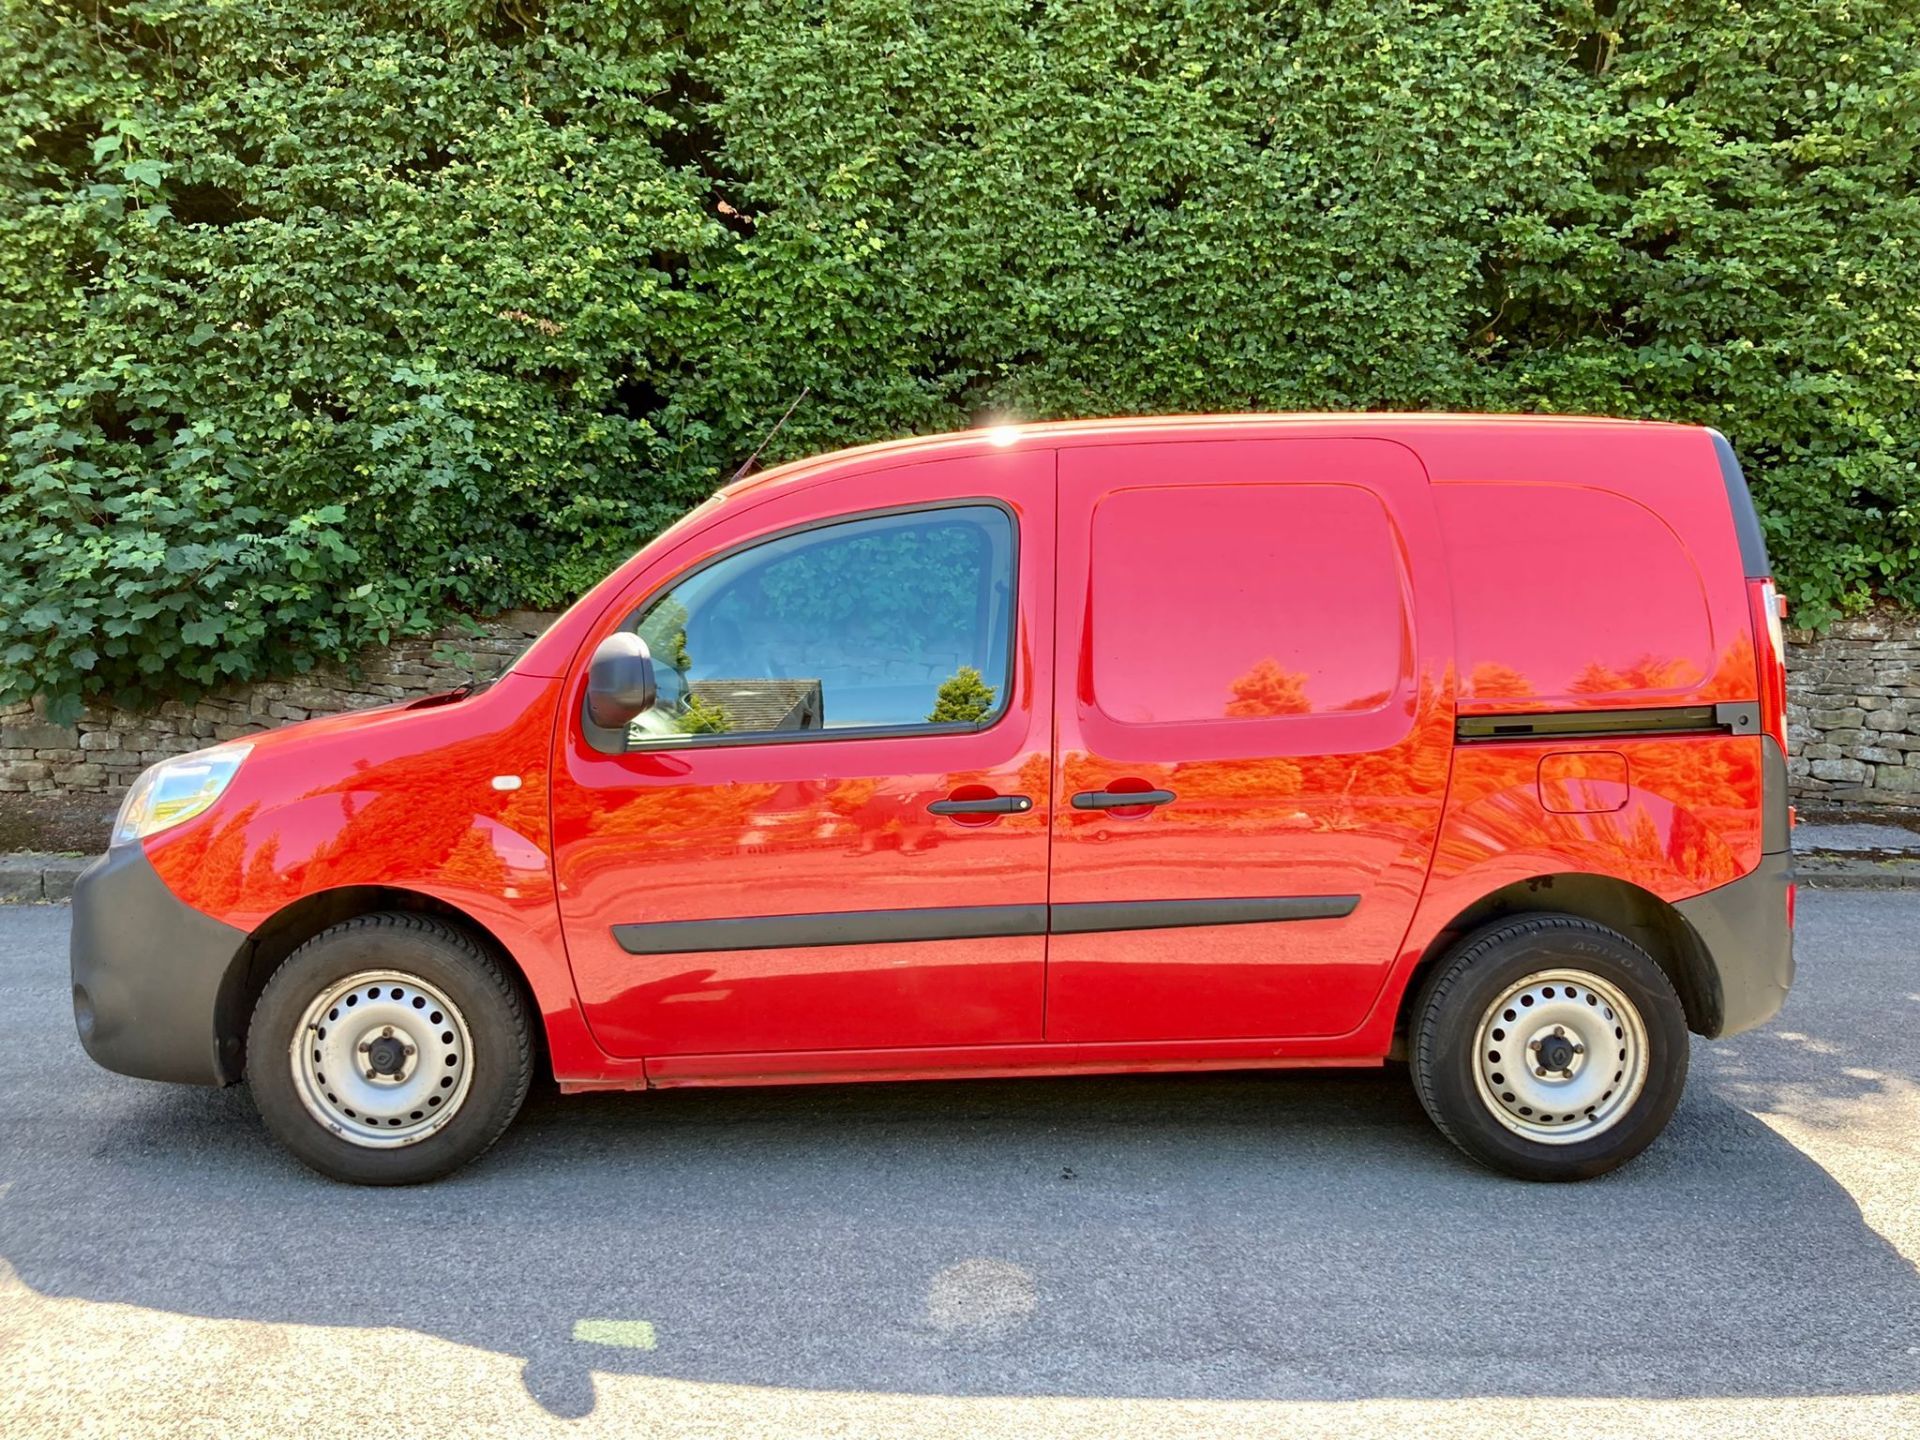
1132 745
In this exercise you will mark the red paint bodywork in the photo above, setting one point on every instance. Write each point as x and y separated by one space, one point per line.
830 824
1309 755
1461 565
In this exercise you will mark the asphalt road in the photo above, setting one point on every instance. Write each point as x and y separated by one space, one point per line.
1237 1255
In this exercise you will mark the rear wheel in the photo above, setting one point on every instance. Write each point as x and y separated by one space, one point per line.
389 1050
1549 1047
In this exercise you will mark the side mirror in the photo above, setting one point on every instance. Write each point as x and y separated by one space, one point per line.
619 681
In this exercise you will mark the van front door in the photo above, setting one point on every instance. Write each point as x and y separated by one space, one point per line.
1255 724
831 832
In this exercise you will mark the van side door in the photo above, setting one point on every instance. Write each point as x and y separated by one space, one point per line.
831 831
1254 730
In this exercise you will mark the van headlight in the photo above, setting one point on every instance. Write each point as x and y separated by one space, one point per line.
176 790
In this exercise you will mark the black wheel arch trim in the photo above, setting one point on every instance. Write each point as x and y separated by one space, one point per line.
163 991
1728 951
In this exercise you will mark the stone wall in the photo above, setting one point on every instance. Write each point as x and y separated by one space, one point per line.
106 748
1853 715
1853 712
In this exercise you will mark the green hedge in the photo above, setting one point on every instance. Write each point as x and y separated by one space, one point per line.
320 321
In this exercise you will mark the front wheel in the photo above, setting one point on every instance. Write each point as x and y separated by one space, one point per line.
1549 1047
389 1050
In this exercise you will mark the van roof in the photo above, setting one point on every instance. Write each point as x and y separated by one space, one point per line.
956 443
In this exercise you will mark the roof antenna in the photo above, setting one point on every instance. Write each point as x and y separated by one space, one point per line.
747 464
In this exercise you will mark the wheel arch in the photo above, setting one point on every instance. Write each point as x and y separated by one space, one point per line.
1643 917
298 922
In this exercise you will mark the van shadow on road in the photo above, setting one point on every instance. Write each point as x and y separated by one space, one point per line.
1210 1237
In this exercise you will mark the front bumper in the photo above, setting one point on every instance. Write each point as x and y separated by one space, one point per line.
153 978
1745 930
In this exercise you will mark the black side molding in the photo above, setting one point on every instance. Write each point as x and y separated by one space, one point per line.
832 927
966 922
1176 914
1735 718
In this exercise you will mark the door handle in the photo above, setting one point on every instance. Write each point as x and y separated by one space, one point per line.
1120 799
992 805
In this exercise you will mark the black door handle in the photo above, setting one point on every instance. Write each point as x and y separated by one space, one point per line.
1120 799
993 805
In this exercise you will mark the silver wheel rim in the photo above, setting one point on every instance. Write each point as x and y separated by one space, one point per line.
1560 1057
382 1059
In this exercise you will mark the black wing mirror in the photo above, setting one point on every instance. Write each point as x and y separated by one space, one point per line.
620 681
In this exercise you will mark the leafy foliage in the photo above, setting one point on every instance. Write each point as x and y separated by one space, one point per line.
702 717
323 319
964 696
889 584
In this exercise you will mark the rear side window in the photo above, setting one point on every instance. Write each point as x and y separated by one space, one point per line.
1568 595
1245 602
880 623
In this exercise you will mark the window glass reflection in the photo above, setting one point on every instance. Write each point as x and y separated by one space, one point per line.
888 622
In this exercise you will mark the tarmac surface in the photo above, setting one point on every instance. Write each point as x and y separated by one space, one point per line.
1241 1255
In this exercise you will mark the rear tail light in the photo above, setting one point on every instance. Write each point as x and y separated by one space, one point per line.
1770 646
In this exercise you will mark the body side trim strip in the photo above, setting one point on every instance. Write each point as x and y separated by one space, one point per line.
1176 914
965 922
832 927
1735 718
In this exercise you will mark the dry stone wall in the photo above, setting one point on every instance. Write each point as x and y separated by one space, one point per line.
1853 711
107 748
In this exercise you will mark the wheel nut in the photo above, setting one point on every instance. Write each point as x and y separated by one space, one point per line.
364 1047
409 1049
1541 1071
1566 1074
388 1030
1579 1049
1559 1030
1531 1045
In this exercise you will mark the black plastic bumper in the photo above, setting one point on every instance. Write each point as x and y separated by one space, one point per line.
151 975
1743 927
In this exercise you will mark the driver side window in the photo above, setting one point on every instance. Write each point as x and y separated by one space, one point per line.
884 623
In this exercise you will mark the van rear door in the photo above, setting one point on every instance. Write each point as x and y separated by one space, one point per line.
1255 724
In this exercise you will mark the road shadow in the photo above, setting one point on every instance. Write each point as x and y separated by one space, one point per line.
1266 1236
1216 1237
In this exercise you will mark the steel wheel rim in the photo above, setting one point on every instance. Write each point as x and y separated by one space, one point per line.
1587 1036
382 1059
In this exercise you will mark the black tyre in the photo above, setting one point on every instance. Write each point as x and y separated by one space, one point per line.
390 1049
1549 1047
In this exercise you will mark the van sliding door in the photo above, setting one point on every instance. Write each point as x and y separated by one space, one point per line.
1254 717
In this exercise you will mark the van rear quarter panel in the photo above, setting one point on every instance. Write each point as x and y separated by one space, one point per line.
1591 569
